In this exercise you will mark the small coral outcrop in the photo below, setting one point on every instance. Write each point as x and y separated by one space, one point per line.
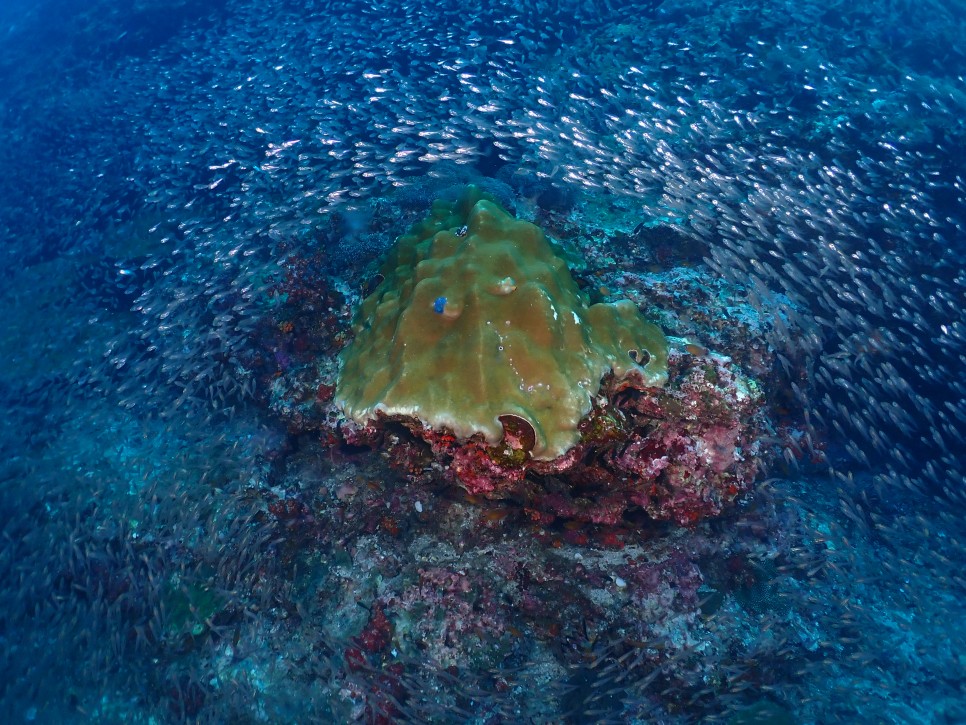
478 329
478 362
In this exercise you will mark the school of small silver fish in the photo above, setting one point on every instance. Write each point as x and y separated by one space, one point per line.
167 163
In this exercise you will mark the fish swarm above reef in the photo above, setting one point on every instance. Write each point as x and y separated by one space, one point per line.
477 319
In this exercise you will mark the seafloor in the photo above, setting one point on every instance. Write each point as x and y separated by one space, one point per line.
196 195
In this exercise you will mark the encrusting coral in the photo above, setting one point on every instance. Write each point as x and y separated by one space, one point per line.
478 328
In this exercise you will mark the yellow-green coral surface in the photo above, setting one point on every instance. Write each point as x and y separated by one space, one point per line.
472 324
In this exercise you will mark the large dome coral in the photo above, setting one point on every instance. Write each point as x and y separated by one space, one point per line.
477 319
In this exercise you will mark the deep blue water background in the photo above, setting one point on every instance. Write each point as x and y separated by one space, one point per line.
161 160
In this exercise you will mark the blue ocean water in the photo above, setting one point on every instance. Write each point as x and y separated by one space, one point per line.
196 195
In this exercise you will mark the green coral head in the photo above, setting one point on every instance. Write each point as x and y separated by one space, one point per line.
477 318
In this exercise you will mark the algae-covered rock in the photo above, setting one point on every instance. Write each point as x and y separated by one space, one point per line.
477 318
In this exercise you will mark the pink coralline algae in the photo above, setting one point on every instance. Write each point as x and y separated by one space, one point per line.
446 614
702 449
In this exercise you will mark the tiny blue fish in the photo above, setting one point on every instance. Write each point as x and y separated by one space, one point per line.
439 305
